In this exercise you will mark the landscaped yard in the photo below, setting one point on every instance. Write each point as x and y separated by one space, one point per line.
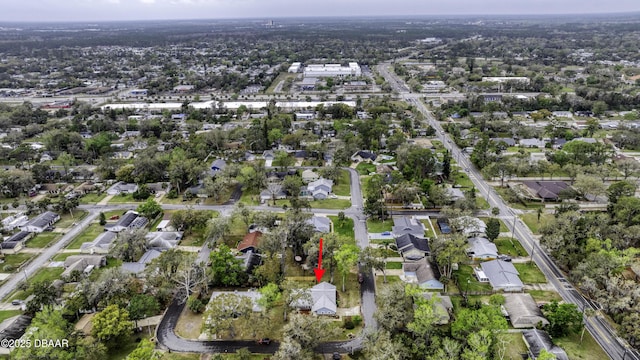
511 247
377 226
42 240
467 281
530 274
89 234
365 168
92 198
344 227
343 187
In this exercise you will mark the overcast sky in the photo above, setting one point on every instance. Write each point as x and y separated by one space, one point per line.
105 10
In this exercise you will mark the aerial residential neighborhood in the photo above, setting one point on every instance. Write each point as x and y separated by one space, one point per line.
286 187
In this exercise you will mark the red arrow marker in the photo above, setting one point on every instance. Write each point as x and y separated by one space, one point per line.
319 270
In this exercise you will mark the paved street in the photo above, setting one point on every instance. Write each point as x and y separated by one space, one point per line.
604 334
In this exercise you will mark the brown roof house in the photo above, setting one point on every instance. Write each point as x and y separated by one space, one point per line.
250 241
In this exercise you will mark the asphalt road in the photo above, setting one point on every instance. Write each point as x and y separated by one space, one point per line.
616 347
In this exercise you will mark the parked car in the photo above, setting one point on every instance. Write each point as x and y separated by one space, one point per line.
386 233
16 302
264 341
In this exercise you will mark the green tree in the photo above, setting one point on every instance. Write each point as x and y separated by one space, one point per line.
195 304
103 219
224 310
142 306
493 229
395 308
48 324
271 294
346 259
564 319
150 209
225 269
130 245
111 325
146 350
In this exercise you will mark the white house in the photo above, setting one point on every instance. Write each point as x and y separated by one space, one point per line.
122 188
40 222
322 300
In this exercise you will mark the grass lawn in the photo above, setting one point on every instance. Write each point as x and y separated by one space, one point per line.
544 296
589 349
66 220
194 238
250 198
189 324
16 260
531 219
64 256
463 180
42 240
343 188
89 234
48 274
530 274
123 199
5 314
507 247
468 282
428 232
390 279
515 346
92 198
394 265
481 203
365 168
344 227
377 226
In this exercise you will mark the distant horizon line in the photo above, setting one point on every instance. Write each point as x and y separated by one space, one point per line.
296 17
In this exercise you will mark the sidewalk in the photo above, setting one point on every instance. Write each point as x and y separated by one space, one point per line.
106 200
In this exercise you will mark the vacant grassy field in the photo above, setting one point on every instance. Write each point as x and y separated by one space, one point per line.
189 324
544 296
343 187
43 240
92 198
530 274
66 220
377 226
510 247
587 350
344 227
531 219
365 168
89 234
16 260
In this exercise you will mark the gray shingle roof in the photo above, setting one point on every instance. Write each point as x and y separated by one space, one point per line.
501 274
538 339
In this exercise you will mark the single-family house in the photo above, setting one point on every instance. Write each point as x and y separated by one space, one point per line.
139 266
407 225
502 275
532 143
250 242
163 240
309 176
320 224
412 247
454 194
545 190
217 166
164 225
523 312
363 155
320 189
424 274
538 340
130 220
321 299
470 226
41 222
481 249
100 245
82 263
15 242
442 306
275 191
510 142
122 188
16 221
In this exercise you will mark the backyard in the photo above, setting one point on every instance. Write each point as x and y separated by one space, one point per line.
42 240
467 282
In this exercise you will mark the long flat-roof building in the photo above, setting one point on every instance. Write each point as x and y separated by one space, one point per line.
295 67
332 70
